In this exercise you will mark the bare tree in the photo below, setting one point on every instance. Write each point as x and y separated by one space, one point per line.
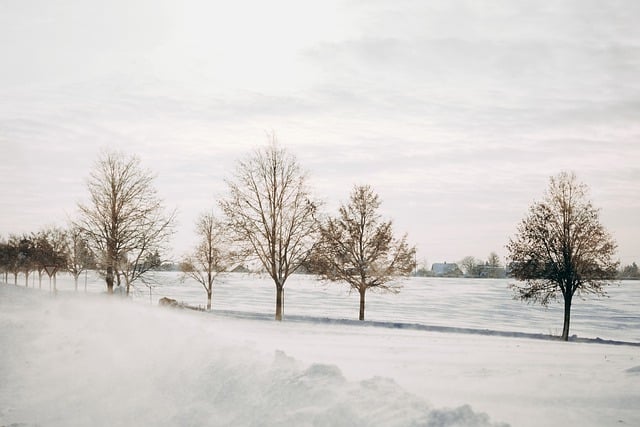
493 265
5 259
43 252
358 248
54 252
469 265
22 256
561 248
79 256
14 258
630 272
124 219
11 255
493 260
270 213
211 255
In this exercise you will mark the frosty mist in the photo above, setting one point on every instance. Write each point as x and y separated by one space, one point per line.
106 363
76 359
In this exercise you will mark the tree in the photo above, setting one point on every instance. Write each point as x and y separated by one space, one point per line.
358 248
211 255
469 265
270 213
25 257
14 257
51 249
422 269
5 259
561 248
493 266
493 260
153 260
43 253
124 219
80 258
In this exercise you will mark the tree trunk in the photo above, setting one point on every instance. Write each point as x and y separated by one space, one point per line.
109 279
279 301
39 279
26 279
75 280
209 287
362 292
567 318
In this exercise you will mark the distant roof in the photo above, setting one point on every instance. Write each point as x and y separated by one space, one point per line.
240 269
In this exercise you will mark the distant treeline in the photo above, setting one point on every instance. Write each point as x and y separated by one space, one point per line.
492 268
63 250
630 272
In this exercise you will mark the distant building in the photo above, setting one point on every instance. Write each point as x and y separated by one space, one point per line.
240 269
446 270
494 272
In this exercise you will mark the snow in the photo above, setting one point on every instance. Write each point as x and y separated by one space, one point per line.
91 359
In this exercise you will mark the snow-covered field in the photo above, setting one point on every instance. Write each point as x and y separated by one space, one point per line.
433 357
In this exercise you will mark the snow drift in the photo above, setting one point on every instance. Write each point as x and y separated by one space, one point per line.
94 360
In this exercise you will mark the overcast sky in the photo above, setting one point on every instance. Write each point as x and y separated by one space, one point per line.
456 112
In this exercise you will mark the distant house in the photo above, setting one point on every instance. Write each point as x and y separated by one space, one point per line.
240 269
493 272
446 270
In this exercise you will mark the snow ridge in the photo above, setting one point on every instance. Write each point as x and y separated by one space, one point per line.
417 327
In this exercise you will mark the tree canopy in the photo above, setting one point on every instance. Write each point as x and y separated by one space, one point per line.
124 220
270 212
561 248
358 248
211 255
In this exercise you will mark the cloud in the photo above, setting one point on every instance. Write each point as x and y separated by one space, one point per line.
451 106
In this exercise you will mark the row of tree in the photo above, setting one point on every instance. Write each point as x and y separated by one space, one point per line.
269 215
46 251
629 272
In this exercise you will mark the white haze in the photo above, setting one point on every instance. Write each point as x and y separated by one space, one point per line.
80 359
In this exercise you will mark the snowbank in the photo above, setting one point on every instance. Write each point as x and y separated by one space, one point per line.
71 361
95 360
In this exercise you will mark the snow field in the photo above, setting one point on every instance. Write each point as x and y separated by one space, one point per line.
483 304
95 360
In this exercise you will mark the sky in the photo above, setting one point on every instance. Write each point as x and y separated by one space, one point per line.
455 112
